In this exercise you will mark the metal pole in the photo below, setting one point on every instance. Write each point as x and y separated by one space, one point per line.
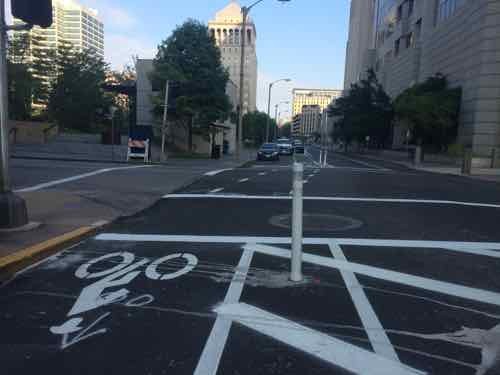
276 115
239 129
268 112
113 137
13 212
4 126
164 123
297 208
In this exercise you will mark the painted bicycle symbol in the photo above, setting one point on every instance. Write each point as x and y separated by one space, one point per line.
125 271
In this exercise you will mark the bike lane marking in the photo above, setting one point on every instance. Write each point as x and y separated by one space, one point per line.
373 327
212 352
319 345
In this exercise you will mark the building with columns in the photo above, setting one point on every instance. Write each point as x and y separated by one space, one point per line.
407 41
226 29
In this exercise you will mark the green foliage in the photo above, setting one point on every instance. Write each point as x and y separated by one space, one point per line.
366 110
190 57
77 99
431 110
254 127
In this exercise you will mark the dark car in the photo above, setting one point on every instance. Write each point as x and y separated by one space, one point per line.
285 146
298 147
268 151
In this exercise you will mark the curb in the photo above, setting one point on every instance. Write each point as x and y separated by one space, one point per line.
27 256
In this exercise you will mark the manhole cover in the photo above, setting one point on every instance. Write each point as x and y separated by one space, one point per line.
318 222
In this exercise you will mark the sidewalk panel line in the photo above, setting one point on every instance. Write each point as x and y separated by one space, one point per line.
314 343
451 289
476 248
214 347
374 329
77 177
333 199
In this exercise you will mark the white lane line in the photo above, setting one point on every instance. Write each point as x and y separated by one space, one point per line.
243 180
451 289
339 199
218 190
317 344
262 173
305 182
362 162
214 173
212 352
374 329
476 248
77 177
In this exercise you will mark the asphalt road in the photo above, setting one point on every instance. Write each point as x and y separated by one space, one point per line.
400 277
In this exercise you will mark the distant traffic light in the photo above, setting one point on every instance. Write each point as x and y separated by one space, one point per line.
33 12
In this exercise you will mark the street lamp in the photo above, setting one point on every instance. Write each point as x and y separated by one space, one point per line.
245 11
269 104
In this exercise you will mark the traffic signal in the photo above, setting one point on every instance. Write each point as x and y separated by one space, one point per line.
33 12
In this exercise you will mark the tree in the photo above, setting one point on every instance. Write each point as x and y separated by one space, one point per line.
191 58
254 127
366 111
21 82
77 99
431 111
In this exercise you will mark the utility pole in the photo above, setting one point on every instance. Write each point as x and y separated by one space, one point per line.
13 212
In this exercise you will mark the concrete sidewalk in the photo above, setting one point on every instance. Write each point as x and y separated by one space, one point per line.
86 203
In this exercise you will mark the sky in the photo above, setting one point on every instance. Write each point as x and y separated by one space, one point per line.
304 40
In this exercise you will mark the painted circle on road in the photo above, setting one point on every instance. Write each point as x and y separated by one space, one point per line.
162 263
318 222
83 271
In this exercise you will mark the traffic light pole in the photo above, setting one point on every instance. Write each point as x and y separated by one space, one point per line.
13 212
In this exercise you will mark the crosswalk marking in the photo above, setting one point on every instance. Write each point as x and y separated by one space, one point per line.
317 344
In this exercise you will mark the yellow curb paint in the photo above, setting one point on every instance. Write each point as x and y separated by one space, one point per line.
42 247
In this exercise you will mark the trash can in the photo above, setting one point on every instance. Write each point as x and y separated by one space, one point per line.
216 152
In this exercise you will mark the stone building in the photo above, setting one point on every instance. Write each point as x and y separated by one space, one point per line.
226 29
408 41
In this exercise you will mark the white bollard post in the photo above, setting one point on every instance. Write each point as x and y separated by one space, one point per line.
324 157
297 207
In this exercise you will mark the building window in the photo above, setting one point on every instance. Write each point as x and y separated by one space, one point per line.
418 29
399 14
446 8
409 40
